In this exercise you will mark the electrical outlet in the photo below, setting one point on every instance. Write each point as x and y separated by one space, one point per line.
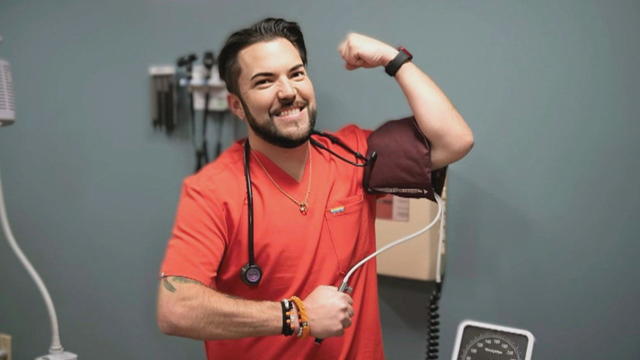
5 347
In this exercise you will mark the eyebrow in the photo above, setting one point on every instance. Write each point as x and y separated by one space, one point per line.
295 67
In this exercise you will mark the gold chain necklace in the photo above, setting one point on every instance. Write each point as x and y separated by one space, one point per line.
302 205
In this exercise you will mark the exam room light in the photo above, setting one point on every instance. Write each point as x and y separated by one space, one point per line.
8 117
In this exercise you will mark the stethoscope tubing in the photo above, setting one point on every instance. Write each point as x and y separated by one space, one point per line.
345 282
344 287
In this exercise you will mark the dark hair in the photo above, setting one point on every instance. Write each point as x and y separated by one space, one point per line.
264 30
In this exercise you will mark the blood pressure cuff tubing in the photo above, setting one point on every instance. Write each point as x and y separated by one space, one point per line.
400 162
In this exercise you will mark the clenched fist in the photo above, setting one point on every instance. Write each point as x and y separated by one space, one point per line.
329 310
359 50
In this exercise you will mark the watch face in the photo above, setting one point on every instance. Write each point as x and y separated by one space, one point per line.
406 52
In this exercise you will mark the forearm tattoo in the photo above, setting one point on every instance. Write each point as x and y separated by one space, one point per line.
178 279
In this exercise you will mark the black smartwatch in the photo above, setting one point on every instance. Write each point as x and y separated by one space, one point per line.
394 65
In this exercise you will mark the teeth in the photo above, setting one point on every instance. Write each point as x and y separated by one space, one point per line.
289 112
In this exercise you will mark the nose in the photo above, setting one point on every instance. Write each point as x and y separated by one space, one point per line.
286 90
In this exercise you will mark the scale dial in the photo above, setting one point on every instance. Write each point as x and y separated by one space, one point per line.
484 341
490 347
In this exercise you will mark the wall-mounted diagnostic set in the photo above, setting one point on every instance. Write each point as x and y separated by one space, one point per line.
186 92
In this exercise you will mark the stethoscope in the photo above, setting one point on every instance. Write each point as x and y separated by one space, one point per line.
251 273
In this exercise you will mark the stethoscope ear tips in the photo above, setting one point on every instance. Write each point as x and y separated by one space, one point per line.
251 274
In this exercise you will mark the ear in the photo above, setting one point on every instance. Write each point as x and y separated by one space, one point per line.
235 106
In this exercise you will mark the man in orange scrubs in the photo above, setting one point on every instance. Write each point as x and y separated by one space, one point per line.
312 219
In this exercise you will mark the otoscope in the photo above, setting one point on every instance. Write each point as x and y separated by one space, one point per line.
207 61
187 62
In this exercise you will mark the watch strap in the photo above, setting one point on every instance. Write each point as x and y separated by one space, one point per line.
394 65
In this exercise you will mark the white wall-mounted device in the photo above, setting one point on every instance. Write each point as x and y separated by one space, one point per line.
423 258
7 104
214 86
477 340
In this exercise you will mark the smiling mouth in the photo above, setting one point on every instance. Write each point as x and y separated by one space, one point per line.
290 111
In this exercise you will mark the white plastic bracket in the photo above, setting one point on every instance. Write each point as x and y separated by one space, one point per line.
215 87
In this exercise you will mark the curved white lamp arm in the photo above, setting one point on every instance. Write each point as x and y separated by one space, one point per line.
55 350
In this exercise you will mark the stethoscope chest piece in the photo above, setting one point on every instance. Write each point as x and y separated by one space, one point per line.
251 274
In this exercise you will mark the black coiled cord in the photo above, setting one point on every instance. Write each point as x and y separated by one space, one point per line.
433 320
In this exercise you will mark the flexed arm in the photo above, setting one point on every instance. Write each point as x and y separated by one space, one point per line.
450 136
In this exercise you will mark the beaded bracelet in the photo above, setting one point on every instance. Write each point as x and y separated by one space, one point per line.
287 329
295 320
304 329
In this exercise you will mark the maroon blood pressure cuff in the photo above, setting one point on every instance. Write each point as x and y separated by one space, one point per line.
400 162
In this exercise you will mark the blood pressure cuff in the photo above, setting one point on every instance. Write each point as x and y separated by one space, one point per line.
400 162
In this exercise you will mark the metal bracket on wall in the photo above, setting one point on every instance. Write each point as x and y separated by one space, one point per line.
213 86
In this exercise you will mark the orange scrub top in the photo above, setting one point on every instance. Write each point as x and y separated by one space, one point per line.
296 252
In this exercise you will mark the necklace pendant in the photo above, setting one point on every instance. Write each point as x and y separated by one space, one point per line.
303 209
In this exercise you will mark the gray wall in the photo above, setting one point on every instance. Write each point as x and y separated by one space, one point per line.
543 213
